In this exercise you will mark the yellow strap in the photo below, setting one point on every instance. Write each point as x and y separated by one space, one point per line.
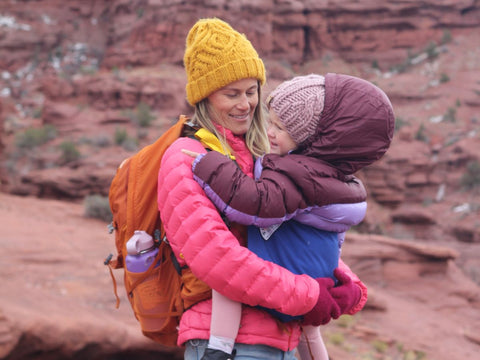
210 141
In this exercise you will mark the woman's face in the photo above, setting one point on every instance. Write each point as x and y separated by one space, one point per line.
280 140
233 105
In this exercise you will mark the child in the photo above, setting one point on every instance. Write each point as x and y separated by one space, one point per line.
330 127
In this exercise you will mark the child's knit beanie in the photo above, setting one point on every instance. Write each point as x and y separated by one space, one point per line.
217 55
298 104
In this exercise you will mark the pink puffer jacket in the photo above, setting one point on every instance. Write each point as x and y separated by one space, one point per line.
200 239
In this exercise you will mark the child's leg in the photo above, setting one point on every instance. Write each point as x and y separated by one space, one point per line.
226 315
311 343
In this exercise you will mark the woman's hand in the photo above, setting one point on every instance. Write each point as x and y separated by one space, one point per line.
333 301
326 307
347 294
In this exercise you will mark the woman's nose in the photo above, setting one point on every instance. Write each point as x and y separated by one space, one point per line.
243 102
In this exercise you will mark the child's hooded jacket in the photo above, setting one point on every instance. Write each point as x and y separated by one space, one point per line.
314 185
355 129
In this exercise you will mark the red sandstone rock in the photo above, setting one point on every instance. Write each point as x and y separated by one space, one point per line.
84 65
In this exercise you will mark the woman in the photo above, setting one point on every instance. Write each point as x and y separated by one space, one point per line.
224 76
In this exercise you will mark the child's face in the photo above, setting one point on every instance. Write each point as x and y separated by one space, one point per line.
280 141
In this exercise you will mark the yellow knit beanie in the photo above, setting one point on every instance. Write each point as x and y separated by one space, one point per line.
217 55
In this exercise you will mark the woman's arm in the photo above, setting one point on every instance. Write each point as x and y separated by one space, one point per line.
200 239
280 194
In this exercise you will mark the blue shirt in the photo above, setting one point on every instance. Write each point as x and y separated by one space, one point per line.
300 248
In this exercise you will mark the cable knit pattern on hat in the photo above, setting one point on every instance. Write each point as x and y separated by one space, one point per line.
217 55
298 104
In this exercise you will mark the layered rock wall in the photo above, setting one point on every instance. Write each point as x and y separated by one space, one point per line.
144 33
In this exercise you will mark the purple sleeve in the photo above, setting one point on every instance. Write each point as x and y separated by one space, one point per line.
274 198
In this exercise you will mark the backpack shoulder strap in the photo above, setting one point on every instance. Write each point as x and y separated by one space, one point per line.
142 182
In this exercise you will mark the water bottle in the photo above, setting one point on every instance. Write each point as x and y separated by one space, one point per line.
141 252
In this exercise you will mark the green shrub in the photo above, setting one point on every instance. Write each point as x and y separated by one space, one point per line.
120 136
450 115
69 151
98 207
37 113
124 140
130 144
414 355
380 346
337 338
144 115
421 134
431 50
471 178
346 321
446 37
399 123
101 141
444 78
33 137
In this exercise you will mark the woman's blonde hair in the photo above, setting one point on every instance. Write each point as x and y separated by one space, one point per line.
256 137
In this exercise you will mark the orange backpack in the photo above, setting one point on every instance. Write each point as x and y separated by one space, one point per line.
155 295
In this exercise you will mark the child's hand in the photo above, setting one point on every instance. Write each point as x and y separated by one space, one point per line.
193 154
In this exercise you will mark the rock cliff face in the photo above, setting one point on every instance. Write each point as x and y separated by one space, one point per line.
146 33
84 84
